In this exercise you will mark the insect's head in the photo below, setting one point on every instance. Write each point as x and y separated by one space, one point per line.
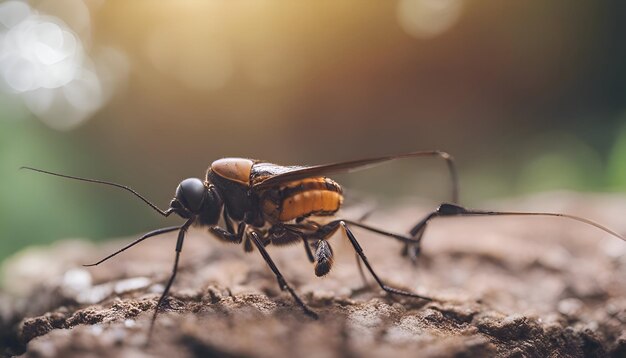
193 197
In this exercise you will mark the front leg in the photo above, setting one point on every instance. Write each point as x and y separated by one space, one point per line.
227 236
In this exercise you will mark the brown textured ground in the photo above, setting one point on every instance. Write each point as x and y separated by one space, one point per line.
503 287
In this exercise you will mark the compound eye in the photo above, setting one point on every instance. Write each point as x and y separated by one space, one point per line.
191 193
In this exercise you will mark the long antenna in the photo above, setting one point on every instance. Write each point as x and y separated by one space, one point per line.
572 217
153 206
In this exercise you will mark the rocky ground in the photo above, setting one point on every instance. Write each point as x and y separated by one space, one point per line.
531 287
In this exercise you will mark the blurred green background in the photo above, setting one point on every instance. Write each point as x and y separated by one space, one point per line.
529 96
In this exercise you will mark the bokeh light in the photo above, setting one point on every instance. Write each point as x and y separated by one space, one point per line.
43 62
428 18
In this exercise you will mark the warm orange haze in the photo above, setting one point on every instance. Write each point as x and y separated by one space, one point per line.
527 96
192 178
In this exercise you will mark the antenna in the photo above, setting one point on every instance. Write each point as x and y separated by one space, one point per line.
165 213
447 210
572 217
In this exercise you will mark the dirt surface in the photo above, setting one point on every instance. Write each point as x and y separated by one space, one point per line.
527 287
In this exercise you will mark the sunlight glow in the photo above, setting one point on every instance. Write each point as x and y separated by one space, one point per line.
172 50
428 18
43 61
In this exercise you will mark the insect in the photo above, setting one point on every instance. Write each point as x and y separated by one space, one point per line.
264 204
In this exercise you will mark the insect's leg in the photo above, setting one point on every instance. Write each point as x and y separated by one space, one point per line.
382 285
361 273
398 237
307 248
230 234
411 243
323 258
413 249
146 236
280 235
279 277
363 217
247 244
227 221
179 248
227 236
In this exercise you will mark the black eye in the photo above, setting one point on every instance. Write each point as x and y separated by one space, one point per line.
191 193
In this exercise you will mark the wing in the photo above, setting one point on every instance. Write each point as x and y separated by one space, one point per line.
287 174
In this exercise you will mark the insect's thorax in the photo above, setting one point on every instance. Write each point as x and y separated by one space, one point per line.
312 196
233 193
285 202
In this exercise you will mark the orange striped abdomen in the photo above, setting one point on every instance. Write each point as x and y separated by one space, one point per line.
313 196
